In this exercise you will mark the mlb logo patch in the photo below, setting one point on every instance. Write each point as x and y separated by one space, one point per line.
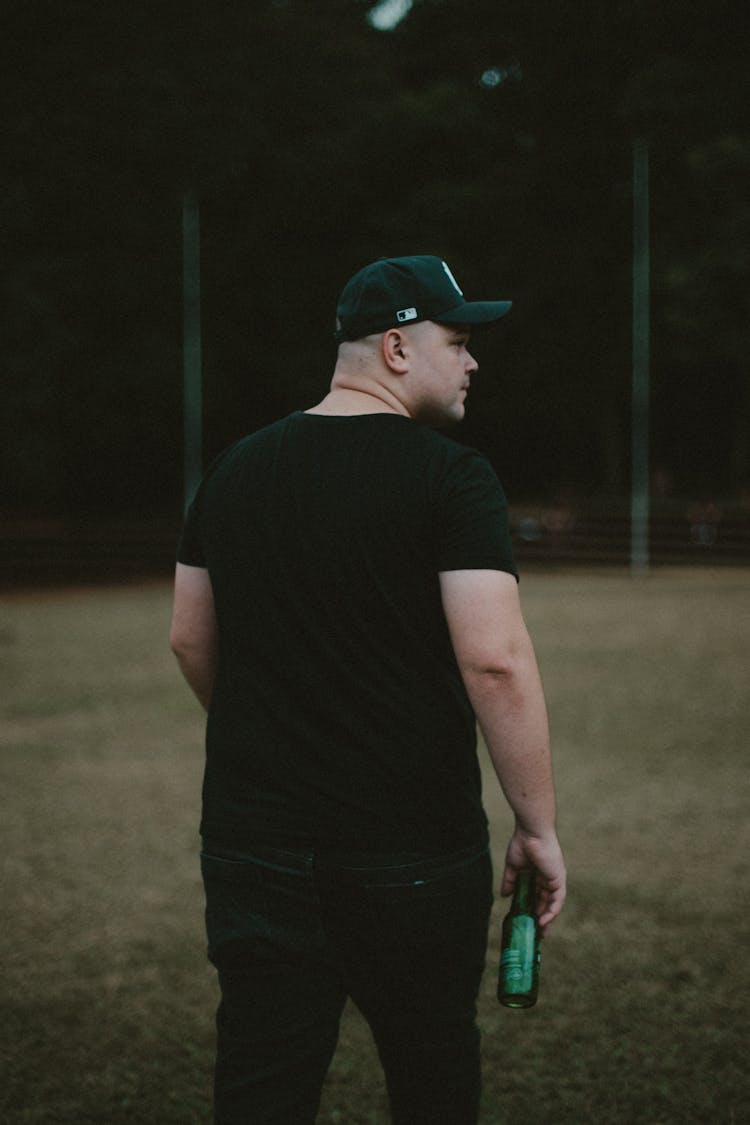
406 314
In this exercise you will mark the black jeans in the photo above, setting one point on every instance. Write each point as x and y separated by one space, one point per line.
293 934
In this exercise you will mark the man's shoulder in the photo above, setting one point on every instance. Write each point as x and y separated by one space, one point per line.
269 429
451 451
414 446
266 433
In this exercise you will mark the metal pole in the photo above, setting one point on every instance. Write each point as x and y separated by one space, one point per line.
192 389
639 510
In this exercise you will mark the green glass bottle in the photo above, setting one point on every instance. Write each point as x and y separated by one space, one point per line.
520 956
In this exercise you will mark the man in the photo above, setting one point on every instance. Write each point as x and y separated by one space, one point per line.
346 608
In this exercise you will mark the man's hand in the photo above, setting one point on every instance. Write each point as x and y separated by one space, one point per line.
544 857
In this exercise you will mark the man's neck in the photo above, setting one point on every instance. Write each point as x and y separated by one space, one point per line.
345 401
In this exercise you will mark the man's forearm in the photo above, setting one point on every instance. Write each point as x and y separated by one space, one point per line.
510 708
199 669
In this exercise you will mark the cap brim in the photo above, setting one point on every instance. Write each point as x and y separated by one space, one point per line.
476 313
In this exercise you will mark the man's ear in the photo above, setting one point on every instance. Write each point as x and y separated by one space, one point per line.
394 348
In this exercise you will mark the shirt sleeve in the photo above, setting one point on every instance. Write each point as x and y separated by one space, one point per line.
471 522
189 548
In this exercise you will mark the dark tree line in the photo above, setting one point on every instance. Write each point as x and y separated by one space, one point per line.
498 135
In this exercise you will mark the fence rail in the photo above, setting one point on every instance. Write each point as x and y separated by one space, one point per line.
70 553
592 537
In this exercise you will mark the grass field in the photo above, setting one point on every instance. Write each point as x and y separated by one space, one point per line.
643 1015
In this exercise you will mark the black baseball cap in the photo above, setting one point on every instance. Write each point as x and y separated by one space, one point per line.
395 291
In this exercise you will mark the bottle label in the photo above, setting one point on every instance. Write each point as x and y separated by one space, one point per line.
511 965
519 960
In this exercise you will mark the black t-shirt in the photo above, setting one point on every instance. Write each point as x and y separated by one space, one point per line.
338 716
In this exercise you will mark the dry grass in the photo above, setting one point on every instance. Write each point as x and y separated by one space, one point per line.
107 997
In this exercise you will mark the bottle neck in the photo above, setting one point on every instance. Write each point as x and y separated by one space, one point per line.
524 895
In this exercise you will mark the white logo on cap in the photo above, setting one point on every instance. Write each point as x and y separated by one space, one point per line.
406 314
452 280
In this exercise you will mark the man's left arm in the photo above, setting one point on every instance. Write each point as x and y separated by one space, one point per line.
194 634
496 659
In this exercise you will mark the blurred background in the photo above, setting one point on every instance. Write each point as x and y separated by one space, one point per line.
307 139
314 138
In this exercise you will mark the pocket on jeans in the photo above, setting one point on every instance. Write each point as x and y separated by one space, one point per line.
236 906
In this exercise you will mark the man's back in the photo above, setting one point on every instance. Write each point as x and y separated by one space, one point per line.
338 714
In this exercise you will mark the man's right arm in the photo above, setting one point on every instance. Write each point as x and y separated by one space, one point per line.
497 662
193 635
